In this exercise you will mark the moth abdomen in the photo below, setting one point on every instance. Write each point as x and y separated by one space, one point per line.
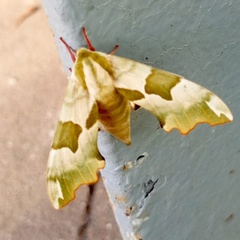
115 117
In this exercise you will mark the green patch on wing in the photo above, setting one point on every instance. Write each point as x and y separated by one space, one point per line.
66 135
161 83
85 54
93 117
131 95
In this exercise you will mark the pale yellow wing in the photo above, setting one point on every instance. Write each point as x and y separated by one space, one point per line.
74 158
176 102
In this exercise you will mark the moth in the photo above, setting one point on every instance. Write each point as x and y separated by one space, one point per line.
101 90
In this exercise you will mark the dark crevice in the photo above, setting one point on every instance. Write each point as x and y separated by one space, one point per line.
83 228
148 187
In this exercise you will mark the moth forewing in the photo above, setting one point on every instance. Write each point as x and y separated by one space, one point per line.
176 102
74 159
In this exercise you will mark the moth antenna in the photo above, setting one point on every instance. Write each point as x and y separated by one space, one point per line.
71 52
90 46
114 50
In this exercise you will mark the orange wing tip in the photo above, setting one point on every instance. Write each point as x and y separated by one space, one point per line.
199 123
60 202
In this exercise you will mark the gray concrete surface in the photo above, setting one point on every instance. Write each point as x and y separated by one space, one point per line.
32 83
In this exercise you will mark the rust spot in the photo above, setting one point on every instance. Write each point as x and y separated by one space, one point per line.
136 162
128 211
125 167
138 237
121 199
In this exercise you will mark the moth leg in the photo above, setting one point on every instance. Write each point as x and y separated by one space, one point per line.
71 52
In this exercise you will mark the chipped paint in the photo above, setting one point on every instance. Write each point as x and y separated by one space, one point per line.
130 210
133 236
121 199
148 187
136 162
139 221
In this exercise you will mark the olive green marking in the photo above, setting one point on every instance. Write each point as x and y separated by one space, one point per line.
78 71
93 117
83 54
161 83
66 135
131 95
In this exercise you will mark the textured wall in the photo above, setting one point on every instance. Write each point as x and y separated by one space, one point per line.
196 191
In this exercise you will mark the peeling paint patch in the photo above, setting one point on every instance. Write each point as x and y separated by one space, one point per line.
133 236
139 221
148 187
121 199
138 237
136 162
129 210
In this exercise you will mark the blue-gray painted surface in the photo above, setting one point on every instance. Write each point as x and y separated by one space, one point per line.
166 186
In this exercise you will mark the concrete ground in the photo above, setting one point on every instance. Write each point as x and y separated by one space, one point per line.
33 83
